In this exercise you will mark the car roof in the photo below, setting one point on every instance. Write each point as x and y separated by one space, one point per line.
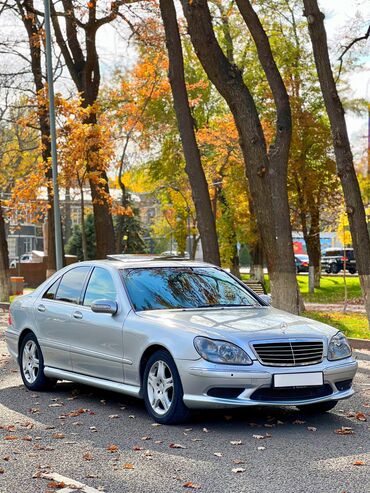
140 261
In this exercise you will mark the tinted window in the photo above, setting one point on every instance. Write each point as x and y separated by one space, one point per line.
100 287
71 284
184 287
50 293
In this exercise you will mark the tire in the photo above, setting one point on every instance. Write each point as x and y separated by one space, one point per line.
352 271
319 408
31 362
334 269
164 402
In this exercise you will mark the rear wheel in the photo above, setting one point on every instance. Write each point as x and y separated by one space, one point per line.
32 365
320 407
163 393
352 270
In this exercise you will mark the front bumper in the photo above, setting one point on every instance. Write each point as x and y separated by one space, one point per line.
199 377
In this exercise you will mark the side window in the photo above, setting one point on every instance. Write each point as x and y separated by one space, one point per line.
101 286
71 285
50 293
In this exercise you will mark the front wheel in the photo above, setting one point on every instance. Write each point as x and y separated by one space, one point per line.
334 269
163 393
32 365
319 408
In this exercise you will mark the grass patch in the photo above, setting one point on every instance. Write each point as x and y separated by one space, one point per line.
331 289
351 324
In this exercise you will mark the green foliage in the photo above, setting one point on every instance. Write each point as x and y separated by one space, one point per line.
74 245
331 289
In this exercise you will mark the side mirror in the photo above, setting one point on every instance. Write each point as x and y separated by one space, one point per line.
266 298
104 306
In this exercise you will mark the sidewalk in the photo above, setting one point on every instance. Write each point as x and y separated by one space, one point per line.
334 307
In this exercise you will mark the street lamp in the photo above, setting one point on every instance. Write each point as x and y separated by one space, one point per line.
53 138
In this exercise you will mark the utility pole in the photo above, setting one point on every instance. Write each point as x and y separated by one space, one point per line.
53 137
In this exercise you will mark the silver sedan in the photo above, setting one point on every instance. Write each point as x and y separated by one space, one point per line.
179 334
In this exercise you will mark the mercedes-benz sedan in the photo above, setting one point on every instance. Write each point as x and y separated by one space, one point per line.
179 334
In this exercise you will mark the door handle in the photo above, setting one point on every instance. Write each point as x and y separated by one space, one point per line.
41 308
77 315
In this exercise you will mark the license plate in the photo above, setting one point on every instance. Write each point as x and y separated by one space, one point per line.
298 379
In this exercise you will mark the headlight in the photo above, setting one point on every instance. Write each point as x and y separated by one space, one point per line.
221 352
338 347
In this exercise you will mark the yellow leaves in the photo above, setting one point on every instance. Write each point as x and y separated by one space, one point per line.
90 5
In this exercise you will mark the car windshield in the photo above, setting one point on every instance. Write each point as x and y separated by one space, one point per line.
163 288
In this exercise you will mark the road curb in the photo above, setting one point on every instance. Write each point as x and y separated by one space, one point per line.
360 343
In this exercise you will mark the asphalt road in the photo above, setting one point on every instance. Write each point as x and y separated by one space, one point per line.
70 430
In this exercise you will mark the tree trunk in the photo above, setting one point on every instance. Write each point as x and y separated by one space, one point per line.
256 268
266 177
312 239
345 168
200 193
235 264
83 226
67 216
4 261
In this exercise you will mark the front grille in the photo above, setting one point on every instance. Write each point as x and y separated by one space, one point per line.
289 353
291 393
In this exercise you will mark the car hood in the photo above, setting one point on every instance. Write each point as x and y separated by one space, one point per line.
243 324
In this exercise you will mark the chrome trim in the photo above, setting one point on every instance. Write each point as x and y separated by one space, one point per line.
293 352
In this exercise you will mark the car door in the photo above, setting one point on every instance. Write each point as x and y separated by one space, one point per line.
54 314
97 343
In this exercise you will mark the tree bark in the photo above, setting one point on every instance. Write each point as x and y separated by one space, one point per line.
343 154
266 173
199 187
4 261
256 268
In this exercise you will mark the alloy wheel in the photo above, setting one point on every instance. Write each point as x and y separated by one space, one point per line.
160 387
30 361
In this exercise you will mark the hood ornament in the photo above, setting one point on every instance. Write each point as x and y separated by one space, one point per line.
283 327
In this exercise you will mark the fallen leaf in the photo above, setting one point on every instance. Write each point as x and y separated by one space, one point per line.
136 448
58 436
261 448
239 461
10 437
56 404
191 485
361 417
311 428
176 445
132 416
27 438
146 438
236 442
56 484
217 454
262 437
112 448
345 430
113 416
238 469
128 466
298 422
358 463
205 430
2 470
87 456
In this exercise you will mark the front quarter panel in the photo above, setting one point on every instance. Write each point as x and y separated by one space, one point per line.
140 333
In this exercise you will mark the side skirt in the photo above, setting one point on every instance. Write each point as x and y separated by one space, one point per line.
93 381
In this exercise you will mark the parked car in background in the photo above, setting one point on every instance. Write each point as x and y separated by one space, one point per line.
26 258
334 259
179 334
301 262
